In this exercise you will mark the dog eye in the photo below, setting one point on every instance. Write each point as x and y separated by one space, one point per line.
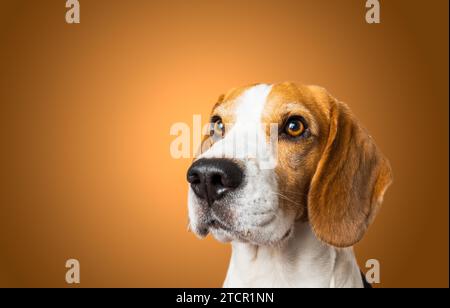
294 127
217 127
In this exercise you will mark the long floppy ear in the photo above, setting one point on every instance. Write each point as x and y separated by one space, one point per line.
348 187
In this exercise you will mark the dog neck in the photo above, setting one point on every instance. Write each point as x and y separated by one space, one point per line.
300 261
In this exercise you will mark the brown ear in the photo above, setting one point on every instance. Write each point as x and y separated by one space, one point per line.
348 186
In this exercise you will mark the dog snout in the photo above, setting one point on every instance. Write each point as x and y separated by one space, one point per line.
212 178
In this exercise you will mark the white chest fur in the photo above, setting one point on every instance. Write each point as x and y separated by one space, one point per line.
301 261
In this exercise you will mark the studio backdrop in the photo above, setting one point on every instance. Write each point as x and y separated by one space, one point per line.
86 111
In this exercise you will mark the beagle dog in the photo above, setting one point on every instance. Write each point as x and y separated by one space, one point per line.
291 223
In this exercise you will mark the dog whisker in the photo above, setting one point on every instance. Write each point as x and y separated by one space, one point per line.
292 202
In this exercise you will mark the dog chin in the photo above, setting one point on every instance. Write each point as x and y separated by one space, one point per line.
222 235
258 239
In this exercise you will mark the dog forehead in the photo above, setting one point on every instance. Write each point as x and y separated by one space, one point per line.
244 104
287 96
265 102
245 136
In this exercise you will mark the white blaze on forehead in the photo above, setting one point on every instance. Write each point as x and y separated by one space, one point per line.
247 138
251 104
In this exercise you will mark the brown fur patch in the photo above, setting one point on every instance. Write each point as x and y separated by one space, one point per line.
298 158
337 176
348 186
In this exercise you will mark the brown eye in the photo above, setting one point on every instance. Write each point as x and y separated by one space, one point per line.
294 127
217 128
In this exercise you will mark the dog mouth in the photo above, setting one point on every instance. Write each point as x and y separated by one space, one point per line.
216 224
225 233
286 235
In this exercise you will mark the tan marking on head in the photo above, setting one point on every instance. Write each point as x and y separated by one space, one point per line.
297 159
336 177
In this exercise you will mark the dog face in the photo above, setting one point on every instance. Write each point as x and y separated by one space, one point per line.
281 153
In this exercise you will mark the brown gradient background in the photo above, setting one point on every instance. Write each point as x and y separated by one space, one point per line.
86 110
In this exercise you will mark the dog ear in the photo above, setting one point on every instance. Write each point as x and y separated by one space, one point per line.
349 183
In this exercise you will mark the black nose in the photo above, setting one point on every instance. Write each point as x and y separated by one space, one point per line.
212 178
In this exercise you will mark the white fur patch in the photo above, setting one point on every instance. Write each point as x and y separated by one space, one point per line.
302 261
246 139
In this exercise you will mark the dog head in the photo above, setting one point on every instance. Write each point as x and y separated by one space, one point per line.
281 153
